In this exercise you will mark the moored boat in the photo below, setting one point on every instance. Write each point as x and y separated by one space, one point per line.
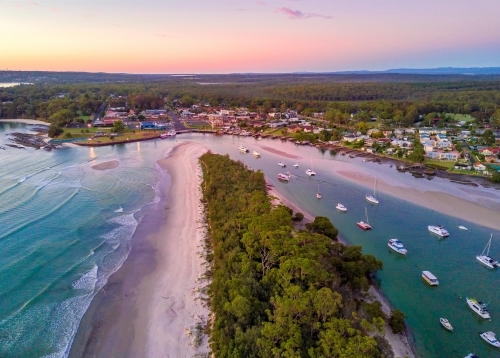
446 324
296 165
430 278
243 149
461 227
372 198
310 172
341 207
364 225
485 259
479 307
438 230
397 246
283 177
490 338
256 154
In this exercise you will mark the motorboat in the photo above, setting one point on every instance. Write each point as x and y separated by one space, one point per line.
296 165
430 278
341 207
170 133
281 164
372 198
487 260
438 230
310 172
397 246
461 227
243 149
256 154
490 338
479 307
446 324
471 355
364 225
283 177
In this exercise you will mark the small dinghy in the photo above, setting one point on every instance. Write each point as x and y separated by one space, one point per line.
446 324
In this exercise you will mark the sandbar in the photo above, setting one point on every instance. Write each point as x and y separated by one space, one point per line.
112 164
279 152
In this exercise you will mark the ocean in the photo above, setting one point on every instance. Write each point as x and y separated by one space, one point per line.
65 228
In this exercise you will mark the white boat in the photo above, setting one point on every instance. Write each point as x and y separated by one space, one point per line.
281 164
364 225
479 307
438 230
243 149
341 207
397 246
310 172
430 278
487 260
471 355
490 338
372 198
295 165
256 154
318 195
446 324
283 177
461 227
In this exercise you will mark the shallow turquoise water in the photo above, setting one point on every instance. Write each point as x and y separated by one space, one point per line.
64 228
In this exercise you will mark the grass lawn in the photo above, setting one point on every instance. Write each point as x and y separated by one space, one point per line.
440 163
461 117
123 136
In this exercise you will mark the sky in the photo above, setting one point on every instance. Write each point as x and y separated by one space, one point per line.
239 36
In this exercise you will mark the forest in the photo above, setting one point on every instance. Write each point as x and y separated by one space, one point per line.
399 98
279 292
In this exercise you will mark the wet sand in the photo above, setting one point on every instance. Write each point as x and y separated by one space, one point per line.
279 152
107 165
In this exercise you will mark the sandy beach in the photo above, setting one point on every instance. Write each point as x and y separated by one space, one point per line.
112 164
26 121
151 306
440 201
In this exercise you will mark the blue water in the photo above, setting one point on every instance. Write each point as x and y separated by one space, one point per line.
64 228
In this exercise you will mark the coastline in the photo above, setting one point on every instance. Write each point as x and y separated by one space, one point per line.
400 344
26 121
151 305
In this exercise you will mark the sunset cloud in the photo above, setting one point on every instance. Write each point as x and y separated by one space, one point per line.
162 35
299 15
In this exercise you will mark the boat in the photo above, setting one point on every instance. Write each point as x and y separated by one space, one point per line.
487 260
397 246
490 338
309 171
446 324
283 177
372 198
479 307
341 207
289 174
461 227
296 165
281 164
438 230
430 278
364 225
471 355
170 133
318 195
256 154
243 149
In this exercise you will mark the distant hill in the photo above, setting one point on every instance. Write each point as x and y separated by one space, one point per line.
431 71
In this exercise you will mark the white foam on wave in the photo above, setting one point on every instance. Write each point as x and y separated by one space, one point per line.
87 281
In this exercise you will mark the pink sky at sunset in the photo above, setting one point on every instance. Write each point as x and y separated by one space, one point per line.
247 36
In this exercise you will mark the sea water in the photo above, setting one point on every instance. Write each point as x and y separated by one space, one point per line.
64 228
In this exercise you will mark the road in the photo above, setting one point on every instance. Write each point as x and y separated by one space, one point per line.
99 111
178 125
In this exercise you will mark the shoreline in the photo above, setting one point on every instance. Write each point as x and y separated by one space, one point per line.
401 344
152 304
26 121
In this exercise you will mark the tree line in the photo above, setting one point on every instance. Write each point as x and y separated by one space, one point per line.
278 292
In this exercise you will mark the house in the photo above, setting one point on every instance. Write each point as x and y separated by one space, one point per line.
277 124
479 167
489 151
448 156
492 159
294 128
308 129
462 166
349 138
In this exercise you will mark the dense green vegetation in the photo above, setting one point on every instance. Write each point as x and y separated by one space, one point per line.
278 292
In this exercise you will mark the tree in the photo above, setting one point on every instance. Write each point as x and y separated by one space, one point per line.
496 118
118 127
397 321
322 225
54 130
489 137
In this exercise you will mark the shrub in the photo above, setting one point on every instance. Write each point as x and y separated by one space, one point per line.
397 321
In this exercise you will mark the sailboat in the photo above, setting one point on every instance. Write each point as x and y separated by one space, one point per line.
372 198
364 225
487 260
318 195
309 171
